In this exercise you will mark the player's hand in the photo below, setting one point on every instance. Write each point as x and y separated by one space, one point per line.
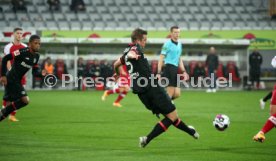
43 72
186 76
3 80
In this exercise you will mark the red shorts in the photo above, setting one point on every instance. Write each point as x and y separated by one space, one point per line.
124 81
273 98
24 80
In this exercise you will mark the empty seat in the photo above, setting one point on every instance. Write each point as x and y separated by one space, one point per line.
102 9
83 17
96 17
99 26
26 24
75 25
51 25
149 9
131 17
119 17
97 3
120 3
63 25
87 25
59 16
109 3
42 8
114 9
10 16
47 17
205 25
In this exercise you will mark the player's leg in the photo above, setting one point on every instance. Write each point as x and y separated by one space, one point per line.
111 91
177 93
267 97
122 94
263 100
16 105
170 90
162 102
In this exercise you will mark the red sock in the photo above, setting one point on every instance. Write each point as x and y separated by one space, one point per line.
117 90
270 123
4 103
13 113
120 97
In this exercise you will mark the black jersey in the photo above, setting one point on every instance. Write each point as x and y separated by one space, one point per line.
23 61
139 70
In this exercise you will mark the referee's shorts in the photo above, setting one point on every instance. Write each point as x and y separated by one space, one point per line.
170 72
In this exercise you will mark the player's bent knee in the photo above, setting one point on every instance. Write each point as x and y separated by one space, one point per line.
25 100
172 116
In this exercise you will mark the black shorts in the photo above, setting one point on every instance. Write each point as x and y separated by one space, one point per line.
255 75
170 72
157 100
14 91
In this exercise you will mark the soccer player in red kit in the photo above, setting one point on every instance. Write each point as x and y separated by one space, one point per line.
122 88
271 122
16 44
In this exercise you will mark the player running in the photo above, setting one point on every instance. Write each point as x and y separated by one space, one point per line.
24 59
154 97
271 122
16 44
122 87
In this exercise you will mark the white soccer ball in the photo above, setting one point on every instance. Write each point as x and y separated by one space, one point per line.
221 122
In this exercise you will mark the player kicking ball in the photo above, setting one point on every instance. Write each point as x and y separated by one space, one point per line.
24 59
121 88
154 97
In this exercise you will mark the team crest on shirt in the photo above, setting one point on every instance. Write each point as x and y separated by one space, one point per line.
16 52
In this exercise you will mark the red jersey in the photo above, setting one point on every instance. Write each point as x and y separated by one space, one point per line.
10 48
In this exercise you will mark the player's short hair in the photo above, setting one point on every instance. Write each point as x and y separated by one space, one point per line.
174 27
17 28
34 37
137 34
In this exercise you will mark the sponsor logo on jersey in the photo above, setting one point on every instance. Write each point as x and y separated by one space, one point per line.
16 52
26 65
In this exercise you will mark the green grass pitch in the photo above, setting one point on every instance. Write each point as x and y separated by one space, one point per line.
78 126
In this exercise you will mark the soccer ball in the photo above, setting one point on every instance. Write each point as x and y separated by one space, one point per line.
221 122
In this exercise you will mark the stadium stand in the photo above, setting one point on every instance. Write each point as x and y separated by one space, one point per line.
151 14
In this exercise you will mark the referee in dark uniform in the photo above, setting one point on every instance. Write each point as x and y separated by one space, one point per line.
153 97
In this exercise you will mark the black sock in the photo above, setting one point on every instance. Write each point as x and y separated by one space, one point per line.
10 108
159 128
267 97
182 126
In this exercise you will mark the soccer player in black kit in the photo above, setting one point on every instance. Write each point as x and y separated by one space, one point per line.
154 97
24 59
